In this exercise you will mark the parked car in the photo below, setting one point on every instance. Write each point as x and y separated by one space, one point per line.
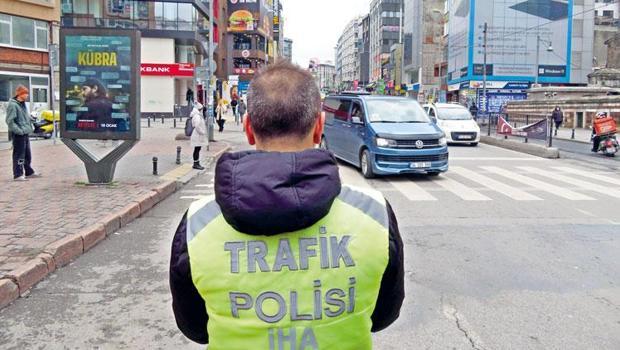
455 121
383 135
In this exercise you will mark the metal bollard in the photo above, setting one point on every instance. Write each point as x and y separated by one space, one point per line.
572 136
154 165
162 119
174 124
178 154
148 122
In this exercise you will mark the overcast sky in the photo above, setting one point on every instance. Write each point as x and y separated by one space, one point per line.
315 26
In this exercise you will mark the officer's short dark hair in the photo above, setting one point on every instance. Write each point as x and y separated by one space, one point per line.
283 100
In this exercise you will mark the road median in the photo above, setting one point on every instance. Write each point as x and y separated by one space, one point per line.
528 148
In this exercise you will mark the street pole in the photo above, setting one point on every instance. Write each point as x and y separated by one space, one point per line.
484 80
537 58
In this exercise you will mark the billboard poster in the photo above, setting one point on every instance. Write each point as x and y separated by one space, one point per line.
458 38
497 99
99 73
250 15
513 29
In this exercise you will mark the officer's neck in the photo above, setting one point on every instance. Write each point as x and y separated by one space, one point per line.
285 144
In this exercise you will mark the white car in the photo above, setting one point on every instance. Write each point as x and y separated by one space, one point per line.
455 121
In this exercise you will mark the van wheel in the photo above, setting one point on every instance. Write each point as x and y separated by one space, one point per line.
366 165
323 144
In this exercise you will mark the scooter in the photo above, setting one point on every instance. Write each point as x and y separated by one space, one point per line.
44 125
608 145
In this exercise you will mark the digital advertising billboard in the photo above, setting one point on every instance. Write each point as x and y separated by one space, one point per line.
99 84
512 36
250 15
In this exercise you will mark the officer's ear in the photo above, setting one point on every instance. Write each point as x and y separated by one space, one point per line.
249 133
318 128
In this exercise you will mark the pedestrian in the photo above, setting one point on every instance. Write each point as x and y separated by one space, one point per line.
284 255
20 127
241 109
558 118
199 134
219 112
234 103
473 109
189 96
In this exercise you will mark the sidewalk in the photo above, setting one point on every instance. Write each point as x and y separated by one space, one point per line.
46 222
581 135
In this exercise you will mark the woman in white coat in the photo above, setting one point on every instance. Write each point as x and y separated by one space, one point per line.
199 134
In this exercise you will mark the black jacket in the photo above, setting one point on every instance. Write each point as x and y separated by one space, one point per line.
263 193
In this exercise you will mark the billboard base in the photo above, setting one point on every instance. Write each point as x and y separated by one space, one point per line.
100 171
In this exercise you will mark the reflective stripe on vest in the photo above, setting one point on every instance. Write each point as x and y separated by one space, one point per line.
315 288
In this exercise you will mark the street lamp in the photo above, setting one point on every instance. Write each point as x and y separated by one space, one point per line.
549 49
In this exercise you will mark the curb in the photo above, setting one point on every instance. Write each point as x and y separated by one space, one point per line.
528 148
18 282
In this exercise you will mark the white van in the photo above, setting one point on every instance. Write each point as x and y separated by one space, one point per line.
455 121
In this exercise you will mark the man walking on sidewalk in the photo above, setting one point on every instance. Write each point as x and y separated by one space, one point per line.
284 255
20 127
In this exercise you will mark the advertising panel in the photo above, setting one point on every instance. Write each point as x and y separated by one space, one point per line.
458 38
250 15
513 29
512 37
498 98
99 84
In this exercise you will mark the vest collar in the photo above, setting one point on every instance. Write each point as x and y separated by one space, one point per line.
268 193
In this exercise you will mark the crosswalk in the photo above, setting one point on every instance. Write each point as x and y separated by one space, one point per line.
481 184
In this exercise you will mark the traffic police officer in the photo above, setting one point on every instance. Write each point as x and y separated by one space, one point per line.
284 256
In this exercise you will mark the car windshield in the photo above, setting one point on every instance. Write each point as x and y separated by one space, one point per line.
454 114
393 110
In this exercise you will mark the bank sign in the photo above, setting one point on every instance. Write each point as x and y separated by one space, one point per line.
167 70
513 28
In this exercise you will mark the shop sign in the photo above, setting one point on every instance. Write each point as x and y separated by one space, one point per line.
245 53
169 70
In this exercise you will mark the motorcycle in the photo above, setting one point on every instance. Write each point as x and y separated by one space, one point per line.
44 124
608 145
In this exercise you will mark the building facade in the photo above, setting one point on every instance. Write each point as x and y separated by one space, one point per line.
174 34
287 49
385 28
364 51
326 77
249 40
27 27
606 26
347 55
423 44
553 48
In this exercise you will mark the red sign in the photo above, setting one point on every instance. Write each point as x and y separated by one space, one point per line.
168 70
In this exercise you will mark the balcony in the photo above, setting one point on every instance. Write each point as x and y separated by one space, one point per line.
261 55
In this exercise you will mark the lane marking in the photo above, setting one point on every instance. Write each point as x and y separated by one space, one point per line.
536 159
494 185
460 190
540 185
411 190
587 213
590 186
207 185
589 175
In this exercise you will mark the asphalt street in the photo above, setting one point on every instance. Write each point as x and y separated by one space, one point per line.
505 251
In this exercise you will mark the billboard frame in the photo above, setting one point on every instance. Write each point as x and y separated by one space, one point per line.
134 102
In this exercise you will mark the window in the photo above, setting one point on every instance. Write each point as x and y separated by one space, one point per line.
343 111
23 32
5 29
357 111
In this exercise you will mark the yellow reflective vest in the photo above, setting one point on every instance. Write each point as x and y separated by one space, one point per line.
315 288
